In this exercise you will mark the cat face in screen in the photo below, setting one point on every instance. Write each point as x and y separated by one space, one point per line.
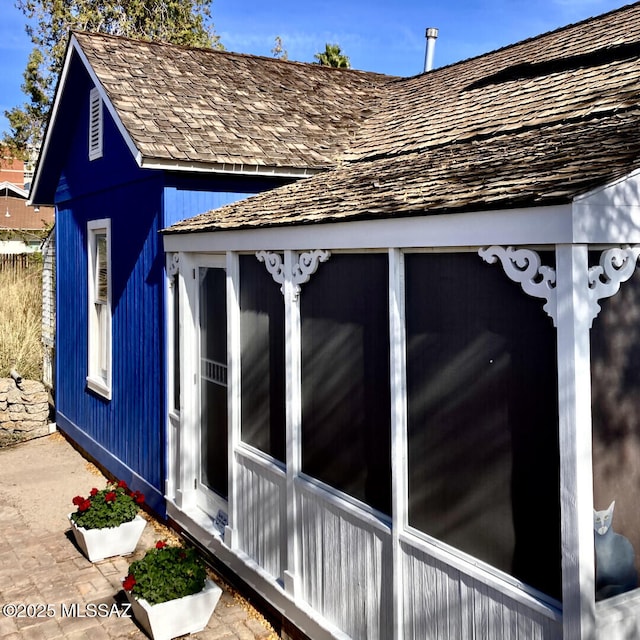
602 519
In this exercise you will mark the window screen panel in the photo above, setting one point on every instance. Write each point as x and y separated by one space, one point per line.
615 392
482 416
262 359
345 377
213 379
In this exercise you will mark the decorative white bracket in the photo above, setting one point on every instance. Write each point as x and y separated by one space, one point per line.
616 266
173 266
301 270
274 264
525 267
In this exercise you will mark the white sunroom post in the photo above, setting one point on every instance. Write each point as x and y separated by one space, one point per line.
575 439
172 418
190 407
233 389
293 378
397 335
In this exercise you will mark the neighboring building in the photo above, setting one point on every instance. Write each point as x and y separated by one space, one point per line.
15 171
11 169
23 227
388 395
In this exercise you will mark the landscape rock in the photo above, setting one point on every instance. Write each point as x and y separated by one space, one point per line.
24 408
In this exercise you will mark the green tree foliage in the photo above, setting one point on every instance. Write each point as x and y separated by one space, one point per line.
185 22
278 49
26 121
332 56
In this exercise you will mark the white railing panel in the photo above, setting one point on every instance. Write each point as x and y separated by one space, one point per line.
442 602
261 511
618 618
346 572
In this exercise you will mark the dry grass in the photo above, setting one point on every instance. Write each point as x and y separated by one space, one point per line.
21 322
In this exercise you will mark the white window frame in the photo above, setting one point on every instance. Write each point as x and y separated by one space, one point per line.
99 339
95 124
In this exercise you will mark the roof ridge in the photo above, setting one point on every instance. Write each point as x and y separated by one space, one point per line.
225 52
596 18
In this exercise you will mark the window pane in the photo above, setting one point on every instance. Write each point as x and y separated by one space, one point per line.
213 379
103 339
262 358
615 380
345 377
102 281
482 416
99 312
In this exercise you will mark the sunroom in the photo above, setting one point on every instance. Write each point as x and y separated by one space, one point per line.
399 428
406 390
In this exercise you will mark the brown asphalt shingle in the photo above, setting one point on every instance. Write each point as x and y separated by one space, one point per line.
212 107
591 67
535 123
540 166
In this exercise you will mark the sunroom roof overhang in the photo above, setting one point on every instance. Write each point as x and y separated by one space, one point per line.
526 226
608 215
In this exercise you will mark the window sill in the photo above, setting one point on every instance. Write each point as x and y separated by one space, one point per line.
98 386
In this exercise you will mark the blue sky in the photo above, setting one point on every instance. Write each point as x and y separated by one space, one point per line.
377 35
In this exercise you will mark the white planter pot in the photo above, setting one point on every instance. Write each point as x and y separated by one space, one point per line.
176 617
98 544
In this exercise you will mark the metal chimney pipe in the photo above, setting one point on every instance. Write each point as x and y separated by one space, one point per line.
431 35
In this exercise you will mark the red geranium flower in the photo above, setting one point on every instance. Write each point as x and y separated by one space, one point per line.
128 582
110 496
122 484
161 544
85 505
138 497
78 500
93 491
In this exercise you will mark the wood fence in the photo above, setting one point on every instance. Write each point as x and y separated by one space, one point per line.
18 261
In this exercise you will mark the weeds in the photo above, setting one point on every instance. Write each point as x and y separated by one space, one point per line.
21 321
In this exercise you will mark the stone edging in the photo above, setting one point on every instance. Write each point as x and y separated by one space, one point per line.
24 408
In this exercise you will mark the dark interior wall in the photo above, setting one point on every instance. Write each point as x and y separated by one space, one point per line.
615 380
483 417
346 405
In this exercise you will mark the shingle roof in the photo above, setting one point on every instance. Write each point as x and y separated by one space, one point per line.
206 106
535 123
22 216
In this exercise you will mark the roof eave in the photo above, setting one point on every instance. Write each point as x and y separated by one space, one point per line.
228 168
74 46
44 151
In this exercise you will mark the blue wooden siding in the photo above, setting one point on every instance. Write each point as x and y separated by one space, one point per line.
130 426
187 196
127 433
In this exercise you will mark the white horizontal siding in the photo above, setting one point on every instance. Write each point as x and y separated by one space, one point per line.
442 602
261 512
346 565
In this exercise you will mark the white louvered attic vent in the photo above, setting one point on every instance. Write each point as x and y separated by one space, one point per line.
95 125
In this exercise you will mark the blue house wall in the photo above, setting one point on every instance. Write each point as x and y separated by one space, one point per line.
186 196
125 434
